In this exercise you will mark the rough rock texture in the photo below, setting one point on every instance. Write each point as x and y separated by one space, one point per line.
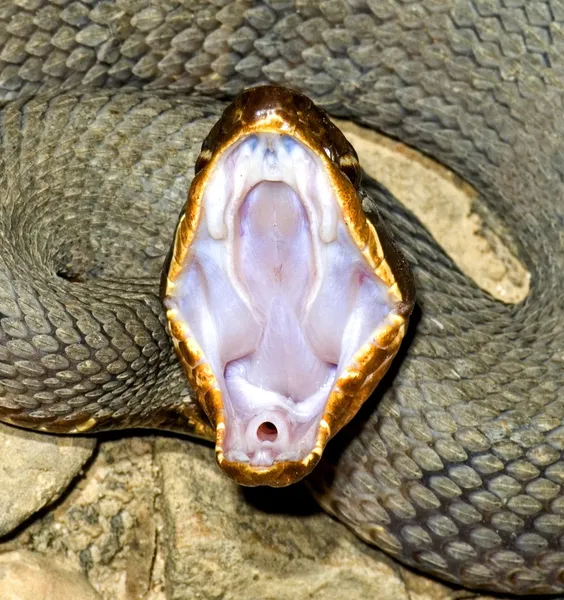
28 576
155 519
106 525
35 469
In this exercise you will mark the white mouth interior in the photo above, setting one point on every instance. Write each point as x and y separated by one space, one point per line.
277 295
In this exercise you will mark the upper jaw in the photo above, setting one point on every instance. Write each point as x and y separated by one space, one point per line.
276 158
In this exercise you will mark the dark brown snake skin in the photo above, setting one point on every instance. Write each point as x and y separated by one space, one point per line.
456 467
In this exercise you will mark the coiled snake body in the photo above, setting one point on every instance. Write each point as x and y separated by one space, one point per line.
457 468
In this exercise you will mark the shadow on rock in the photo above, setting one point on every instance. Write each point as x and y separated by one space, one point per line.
292 500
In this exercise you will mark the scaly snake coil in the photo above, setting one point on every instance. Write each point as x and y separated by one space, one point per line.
458 471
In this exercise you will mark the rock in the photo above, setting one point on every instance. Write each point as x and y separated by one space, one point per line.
28 576
223 541
35 469
106 526
442 201
155 519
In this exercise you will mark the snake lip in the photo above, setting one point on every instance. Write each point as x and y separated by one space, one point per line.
284 303
278 474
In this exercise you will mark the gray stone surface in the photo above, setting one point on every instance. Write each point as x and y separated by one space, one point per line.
107 525
34 470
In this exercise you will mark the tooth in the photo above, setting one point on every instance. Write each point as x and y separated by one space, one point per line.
214 202
222 189
290 455
301 167
328 227
322 200
237 456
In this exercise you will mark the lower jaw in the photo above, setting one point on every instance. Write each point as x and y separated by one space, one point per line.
279 474
276 430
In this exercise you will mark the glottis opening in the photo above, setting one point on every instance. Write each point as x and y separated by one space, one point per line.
267 432
277 295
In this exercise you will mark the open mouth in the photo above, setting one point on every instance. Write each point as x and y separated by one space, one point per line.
283 325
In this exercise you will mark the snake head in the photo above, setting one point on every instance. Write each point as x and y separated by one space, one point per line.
286 305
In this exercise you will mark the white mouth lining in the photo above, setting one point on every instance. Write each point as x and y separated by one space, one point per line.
258 159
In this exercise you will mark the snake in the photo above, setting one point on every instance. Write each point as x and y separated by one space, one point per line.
454 466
